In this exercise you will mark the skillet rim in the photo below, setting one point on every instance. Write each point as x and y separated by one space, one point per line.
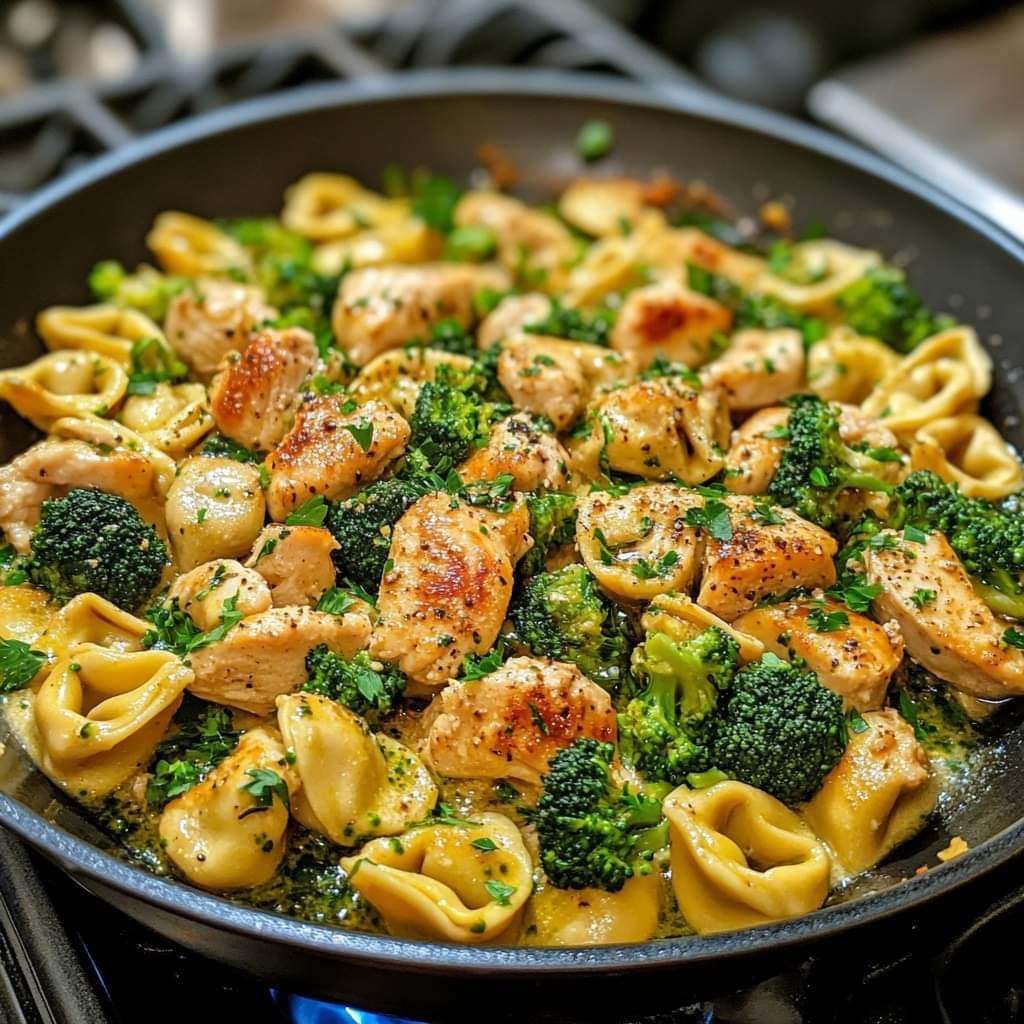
80 858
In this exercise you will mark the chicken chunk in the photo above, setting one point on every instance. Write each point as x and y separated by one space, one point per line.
332 450
205 323
509 724
379 308
762 558
264 655
295 561
757 446
854 656
534 458
668 319
759 368
203 592
449 588
658 429
510 316
543 378
254 398
53 467
637 544
947 628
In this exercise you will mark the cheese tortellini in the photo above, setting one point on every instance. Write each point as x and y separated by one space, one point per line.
101 712
741 858
462 882
174 418
354 784
228 832
105 330
845 366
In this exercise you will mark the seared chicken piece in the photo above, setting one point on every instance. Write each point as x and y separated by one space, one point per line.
535 458
384 307
509 724
759 368
672 250
668 319
295 561
53 467
449 588
528 239
510 316
855 656
264 655
761 558
205 323
332 452
656 429
253 399
203 591
756 450
948 629
637 544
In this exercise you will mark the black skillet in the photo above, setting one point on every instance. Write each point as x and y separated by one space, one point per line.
237 162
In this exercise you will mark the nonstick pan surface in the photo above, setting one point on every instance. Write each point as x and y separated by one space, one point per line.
237 163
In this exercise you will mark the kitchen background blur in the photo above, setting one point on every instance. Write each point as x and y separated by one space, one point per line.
934 84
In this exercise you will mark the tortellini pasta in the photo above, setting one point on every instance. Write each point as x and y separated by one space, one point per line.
91 619
968 451
25 613
845 366
945 375
229 832
434 883
593 917
329 206
407 241
174 418
741 858
602 206
64 383
354 784
816 273
101 712
184 244
877 797
215 509
104 329
396 377
638 545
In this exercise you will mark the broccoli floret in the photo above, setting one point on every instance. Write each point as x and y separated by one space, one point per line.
563 615
368 688
146 290
552 522
362 526
592 833
662 731
778 729
987 537
816 466
452 413
881 304
567 322
93 542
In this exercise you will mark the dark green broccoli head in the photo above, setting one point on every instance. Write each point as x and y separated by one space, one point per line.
779 729
452 413
366 687
592 833
362 527
93 542
552 522
662 732
881 304
817 467
987 537
563 615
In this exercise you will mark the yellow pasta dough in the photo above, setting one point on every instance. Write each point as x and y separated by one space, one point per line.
329 206
968 451
100 714
184 244
845 366
174 418
741 858
816 273
406 241
104 329
434 883
64 383
91 619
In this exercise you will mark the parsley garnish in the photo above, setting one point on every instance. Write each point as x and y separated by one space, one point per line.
500 891
856 596
312 512
764 514
335 601
916 536
909 712
923 596
538 718
363 433
477 666
18 665
1014 638
175 631
713 517
265 785
643 570
856 721
484 845
823 621
163 366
